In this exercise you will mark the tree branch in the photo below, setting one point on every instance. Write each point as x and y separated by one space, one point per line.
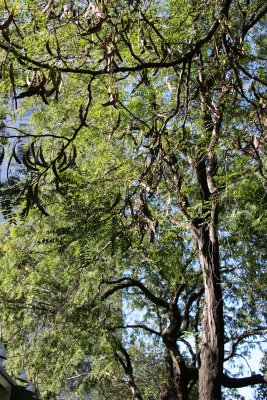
125 361
10 47
254 20
134 283
136 326
230 382
240 338
192 298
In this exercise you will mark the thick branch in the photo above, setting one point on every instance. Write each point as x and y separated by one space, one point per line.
192 298
125 361
242 382
134 283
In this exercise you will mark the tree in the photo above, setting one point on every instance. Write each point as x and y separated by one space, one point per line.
151 121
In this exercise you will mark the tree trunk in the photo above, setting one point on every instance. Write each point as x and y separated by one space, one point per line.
179 375
212 351
170 392
176 377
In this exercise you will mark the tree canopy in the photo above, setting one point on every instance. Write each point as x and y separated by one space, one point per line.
134 251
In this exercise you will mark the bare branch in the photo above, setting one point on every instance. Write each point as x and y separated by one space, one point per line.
230 382
125 362
129 282
239 339
137 326
23 134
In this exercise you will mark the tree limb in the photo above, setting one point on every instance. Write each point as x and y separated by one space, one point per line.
134 283
137 326
230 382
240 338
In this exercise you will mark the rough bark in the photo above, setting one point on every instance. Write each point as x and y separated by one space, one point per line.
180 376
205 229
176 385
212 351
169 392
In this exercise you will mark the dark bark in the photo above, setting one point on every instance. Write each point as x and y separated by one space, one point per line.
180 377
170 392
120 284
125 361
212 351
242 382
205 230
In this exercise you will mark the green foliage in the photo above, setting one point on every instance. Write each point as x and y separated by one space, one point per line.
146 144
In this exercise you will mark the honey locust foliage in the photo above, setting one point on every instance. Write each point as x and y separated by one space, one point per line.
134 257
